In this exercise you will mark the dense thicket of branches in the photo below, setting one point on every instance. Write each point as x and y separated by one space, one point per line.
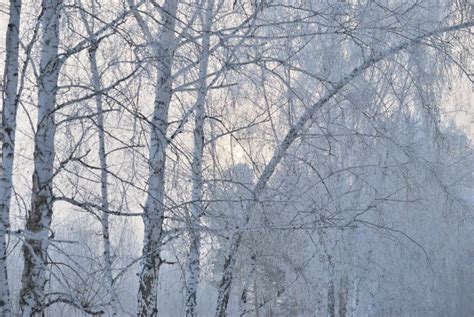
237 158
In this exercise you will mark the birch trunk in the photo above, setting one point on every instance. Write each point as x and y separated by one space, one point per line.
154 205
331 304
193 269
226 281
255 294
251 276
39 218
8 129
355 298
343 295
96 83
97 86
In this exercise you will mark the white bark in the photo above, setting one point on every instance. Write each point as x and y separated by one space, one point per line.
292 134
154 205
255 287
39 219
354 297
343 295
97 86
331 294
96 83
247 281
8 129
193 268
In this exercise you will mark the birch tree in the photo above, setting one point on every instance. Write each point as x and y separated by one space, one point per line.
97 85
34 277
163 51
8 129
197 186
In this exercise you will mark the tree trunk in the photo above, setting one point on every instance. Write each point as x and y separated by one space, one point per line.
192 275
255 291
331 305
8 129
154 205
343 295
227 275
97 86
39 218
355 298
331 299
96 83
